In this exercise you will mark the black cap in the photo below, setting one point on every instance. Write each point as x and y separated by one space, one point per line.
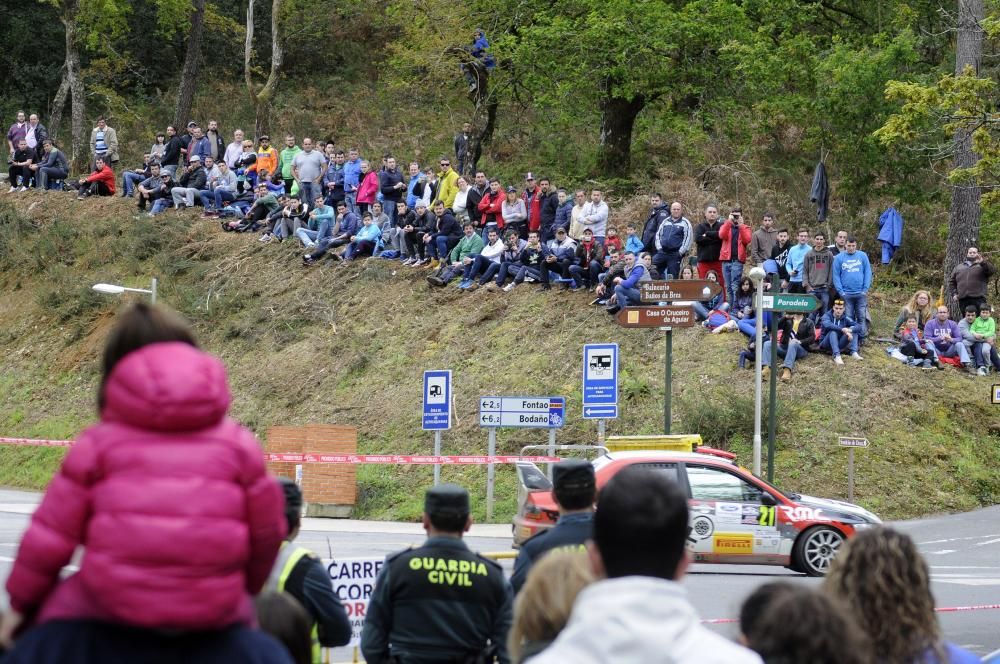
573 475
293 499
447 499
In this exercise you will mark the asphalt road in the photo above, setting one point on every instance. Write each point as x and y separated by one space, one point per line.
963 551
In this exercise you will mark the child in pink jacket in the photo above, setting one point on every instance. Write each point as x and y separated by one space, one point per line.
169 498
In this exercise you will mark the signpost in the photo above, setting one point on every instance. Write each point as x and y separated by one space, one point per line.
851 444
437 409
521 412
600 384
653 292
658 316
995 395
795 302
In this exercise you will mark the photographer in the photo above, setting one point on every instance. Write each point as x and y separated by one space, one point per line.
969 280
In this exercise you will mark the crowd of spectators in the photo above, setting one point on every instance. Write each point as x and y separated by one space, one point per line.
480 234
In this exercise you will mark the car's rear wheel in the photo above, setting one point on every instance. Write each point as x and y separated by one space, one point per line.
815 550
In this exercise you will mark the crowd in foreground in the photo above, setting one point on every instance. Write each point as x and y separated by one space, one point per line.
483 235
189 556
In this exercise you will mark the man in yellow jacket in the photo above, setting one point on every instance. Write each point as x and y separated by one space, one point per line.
447 183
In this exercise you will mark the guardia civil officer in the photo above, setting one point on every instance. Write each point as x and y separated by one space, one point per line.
440 602
573 487
299 572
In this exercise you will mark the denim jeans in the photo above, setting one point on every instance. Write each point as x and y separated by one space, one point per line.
732 272
957 349
792 353
626 297
439 247
835 340
351 198
223 196
823 295
668 261
481 266
308 191
585 275
159 205
46 172
486 231
986 355
307 237
856 308
129 180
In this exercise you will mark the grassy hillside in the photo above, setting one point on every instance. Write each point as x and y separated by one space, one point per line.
348 344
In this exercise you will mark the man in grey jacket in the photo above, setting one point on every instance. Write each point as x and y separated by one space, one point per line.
639 612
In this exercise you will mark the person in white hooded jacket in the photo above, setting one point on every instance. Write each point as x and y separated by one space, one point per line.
640 612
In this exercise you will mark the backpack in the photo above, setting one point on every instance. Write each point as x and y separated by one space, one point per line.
716 318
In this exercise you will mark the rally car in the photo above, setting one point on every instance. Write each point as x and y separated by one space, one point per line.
735 516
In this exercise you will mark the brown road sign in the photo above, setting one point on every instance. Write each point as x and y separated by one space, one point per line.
677 289
664 316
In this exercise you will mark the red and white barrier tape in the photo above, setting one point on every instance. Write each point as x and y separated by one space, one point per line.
940 609
403 459
33 442
291 457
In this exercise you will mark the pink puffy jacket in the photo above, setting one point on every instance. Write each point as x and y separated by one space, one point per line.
179 521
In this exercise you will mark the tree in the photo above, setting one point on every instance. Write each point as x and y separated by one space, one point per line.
192 57
965 214
263 97
72 83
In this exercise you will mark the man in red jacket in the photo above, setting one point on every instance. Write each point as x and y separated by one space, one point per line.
735 236
532 202
491 207
101 182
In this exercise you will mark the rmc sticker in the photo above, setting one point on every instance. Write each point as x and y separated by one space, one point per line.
795 514
353 580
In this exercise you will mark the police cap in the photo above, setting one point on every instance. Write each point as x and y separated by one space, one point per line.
573 475
447 499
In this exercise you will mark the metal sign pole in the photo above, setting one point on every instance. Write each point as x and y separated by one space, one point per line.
490 473
758 357
600 432
552 449
437 452
772 414
667 383
850 474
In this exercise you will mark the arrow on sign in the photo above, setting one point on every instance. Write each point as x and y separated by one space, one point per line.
676 289
599 411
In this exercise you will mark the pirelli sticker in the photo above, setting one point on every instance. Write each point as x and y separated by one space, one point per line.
732 544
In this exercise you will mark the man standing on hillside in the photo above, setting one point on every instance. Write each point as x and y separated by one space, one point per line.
285 165
969 280
852 277
839 243
104 142
462 146
673 241
308 168
36 135
658 213
391 186
817 274
595 215
549 205
796 259
532 204
352 179
763 240
735 236
706 236
234 150
17 131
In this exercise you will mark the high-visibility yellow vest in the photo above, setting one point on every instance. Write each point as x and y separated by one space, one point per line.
288 557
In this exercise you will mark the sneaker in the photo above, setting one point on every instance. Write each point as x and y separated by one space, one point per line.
23 188
422 262
12 189
509 287
434 264
602 302
491 286
266 237
409 261
612 310
464 283
765 373
529 279
926 364
435 281
786 374
473 286
856 356
837 360
308 260
981 371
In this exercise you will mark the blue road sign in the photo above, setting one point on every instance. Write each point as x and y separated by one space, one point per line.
522 412
437 400
600 381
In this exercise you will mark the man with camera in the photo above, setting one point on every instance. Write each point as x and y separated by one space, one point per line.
969 280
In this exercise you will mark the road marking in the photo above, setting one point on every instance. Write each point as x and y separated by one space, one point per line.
939 553
958 539
969 581
962 567
992 541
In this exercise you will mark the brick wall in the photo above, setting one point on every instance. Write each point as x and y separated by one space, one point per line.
322 484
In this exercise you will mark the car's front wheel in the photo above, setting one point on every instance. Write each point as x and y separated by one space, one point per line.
815 550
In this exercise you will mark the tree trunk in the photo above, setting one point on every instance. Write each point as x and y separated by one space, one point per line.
963 222
58 105
484 117
78 156
192 58
618 114
262 99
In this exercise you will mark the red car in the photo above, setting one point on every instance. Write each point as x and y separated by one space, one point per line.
735 516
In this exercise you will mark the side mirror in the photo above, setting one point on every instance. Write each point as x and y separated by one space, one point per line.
767 499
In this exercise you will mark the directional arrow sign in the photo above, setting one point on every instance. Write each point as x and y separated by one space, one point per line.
600 412
846 441
664 316
678 289
790 302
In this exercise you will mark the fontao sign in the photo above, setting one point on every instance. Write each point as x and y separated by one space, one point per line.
353 580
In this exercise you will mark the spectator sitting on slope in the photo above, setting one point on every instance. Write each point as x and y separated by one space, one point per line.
462 255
